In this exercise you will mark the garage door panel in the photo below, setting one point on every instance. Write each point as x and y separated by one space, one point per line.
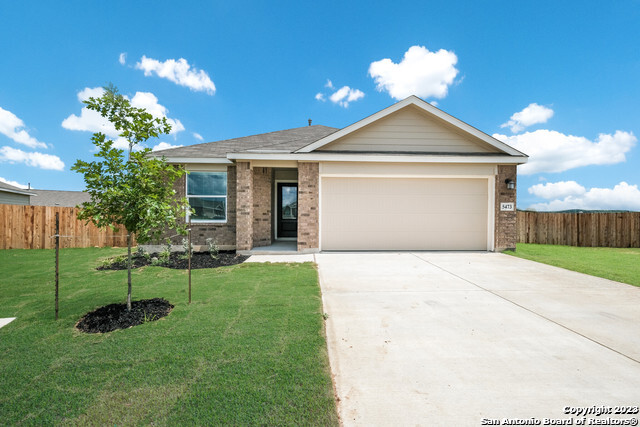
404 214
398 204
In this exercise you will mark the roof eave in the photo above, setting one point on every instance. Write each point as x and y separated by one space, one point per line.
379 157
200 160
24 193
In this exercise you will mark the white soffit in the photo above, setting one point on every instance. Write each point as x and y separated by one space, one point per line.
401 158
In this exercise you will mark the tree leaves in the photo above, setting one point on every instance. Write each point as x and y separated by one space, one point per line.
135 192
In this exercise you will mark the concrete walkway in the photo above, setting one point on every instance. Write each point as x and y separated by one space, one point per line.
432 338
6 320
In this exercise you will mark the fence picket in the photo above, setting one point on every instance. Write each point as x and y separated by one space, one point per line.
616 230
32 227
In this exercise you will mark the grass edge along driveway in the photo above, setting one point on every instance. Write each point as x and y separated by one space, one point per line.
250 349
619 264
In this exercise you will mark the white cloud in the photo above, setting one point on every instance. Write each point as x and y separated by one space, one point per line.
92 121
621 197
14 183
551 151
342 96
149 102
556 190
421 72
345 95
122 59
530 115
12 127
90 92
198 136
34 159
164 146
179 72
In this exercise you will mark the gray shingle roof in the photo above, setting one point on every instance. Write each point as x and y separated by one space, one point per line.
58 198
287 141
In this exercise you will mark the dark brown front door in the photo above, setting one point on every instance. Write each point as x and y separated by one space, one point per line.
287 210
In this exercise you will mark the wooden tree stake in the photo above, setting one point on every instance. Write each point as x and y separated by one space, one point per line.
57 258
189 251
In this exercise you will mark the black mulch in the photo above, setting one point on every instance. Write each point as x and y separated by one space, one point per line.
177 261
115 316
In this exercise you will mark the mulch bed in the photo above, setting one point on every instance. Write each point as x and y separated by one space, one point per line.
198 260
115 316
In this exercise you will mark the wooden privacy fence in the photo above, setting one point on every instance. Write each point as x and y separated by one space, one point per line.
33 227
616 230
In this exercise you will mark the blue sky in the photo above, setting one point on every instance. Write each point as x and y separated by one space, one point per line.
558 80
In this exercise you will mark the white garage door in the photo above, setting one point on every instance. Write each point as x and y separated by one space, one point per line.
403 214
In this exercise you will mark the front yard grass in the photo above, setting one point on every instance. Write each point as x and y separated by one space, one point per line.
619 264
250 349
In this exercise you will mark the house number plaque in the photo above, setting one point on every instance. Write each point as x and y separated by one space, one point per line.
507 206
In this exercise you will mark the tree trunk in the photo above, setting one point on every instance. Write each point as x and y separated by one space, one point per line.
129 271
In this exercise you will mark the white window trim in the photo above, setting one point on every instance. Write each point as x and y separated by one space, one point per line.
226 204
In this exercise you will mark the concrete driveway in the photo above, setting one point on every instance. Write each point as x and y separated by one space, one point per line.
432 338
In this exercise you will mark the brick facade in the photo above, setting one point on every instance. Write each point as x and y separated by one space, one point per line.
308 202
262 184
505 226
224 234
244 206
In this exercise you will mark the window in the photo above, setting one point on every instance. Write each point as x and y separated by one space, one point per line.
207 194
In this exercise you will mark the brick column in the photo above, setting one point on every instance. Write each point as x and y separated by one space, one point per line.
244 206
308 214
261 207
505 225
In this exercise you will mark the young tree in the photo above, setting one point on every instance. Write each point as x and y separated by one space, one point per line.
135 192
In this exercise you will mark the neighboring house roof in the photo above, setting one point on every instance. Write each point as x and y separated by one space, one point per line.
8 188
59 198
284 141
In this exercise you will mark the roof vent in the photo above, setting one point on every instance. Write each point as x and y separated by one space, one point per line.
309 122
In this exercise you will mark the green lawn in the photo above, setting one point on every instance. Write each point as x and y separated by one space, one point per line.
620 264
250 349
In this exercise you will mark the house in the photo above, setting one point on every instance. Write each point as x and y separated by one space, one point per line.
10 195
409 177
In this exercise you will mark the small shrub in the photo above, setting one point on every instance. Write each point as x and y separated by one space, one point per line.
120 259
213 248
141 253
163 256
186 249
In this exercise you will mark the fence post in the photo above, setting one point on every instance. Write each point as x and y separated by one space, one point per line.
189 251
57 257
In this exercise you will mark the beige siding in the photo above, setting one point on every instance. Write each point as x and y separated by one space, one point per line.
410 130
404 213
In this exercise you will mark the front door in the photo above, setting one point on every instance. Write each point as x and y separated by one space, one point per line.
287 210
